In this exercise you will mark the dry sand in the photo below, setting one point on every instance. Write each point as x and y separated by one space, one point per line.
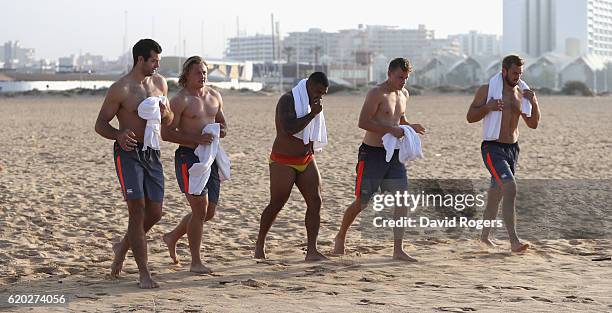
61 210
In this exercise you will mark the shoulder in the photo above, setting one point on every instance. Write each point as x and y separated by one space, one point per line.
159 81
119 89
286 99
215 93
483 89
375 93
180 99
405 92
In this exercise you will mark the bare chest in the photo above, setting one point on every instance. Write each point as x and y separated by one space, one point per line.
392 108
205 107
137 93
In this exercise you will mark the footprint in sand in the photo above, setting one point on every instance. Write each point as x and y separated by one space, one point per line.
455 309
573 298
368 302
253 283
542 299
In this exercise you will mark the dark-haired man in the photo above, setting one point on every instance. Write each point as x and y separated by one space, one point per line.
383 111
292 162
500 148
137 161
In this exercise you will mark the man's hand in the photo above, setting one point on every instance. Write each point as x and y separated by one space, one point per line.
127 140
494 105
530 95
315 106
397 131
418 128
205 139
223 131
163 109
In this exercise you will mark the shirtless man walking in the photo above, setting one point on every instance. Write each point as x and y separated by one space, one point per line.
292 162
383 111
194 106
139 170
501 156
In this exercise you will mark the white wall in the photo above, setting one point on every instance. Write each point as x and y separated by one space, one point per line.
571 21
513 26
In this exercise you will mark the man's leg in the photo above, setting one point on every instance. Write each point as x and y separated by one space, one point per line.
371 168
309 184
500 163
509 190
281 181
138 243
210 211
349 217
198 206
398 236
152 216
396 180
494 197
175 235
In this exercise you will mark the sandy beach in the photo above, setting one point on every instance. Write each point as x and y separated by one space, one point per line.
61 210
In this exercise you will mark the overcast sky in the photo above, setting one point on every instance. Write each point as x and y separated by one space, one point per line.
63 27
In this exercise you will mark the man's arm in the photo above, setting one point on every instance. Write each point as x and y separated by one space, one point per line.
404 121
166 112
220 117
288 117
480 107
368 111
533 121
112 102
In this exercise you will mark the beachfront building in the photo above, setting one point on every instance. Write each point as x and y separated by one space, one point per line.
543 72
588 69
466 72
67 64
574 28
16 57
250 48
310 47
475 43
433 73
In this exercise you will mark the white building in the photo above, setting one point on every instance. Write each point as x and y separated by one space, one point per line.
14 56
308 46
574 28
475 43
67 64
251 48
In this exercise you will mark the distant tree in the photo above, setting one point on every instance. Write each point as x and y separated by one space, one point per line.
289 52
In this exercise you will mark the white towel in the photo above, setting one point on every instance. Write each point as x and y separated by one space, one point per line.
149 110
409 146
492 121
315 131
199 173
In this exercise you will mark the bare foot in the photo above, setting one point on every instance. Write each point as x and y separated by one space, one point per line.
488 242
519 247
315 256
117 264
339 246
403 256
171 247
200 269
146 282
259 253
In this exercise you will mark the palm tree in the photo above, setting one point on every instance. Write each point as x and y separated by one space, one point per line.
317 52
289 51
